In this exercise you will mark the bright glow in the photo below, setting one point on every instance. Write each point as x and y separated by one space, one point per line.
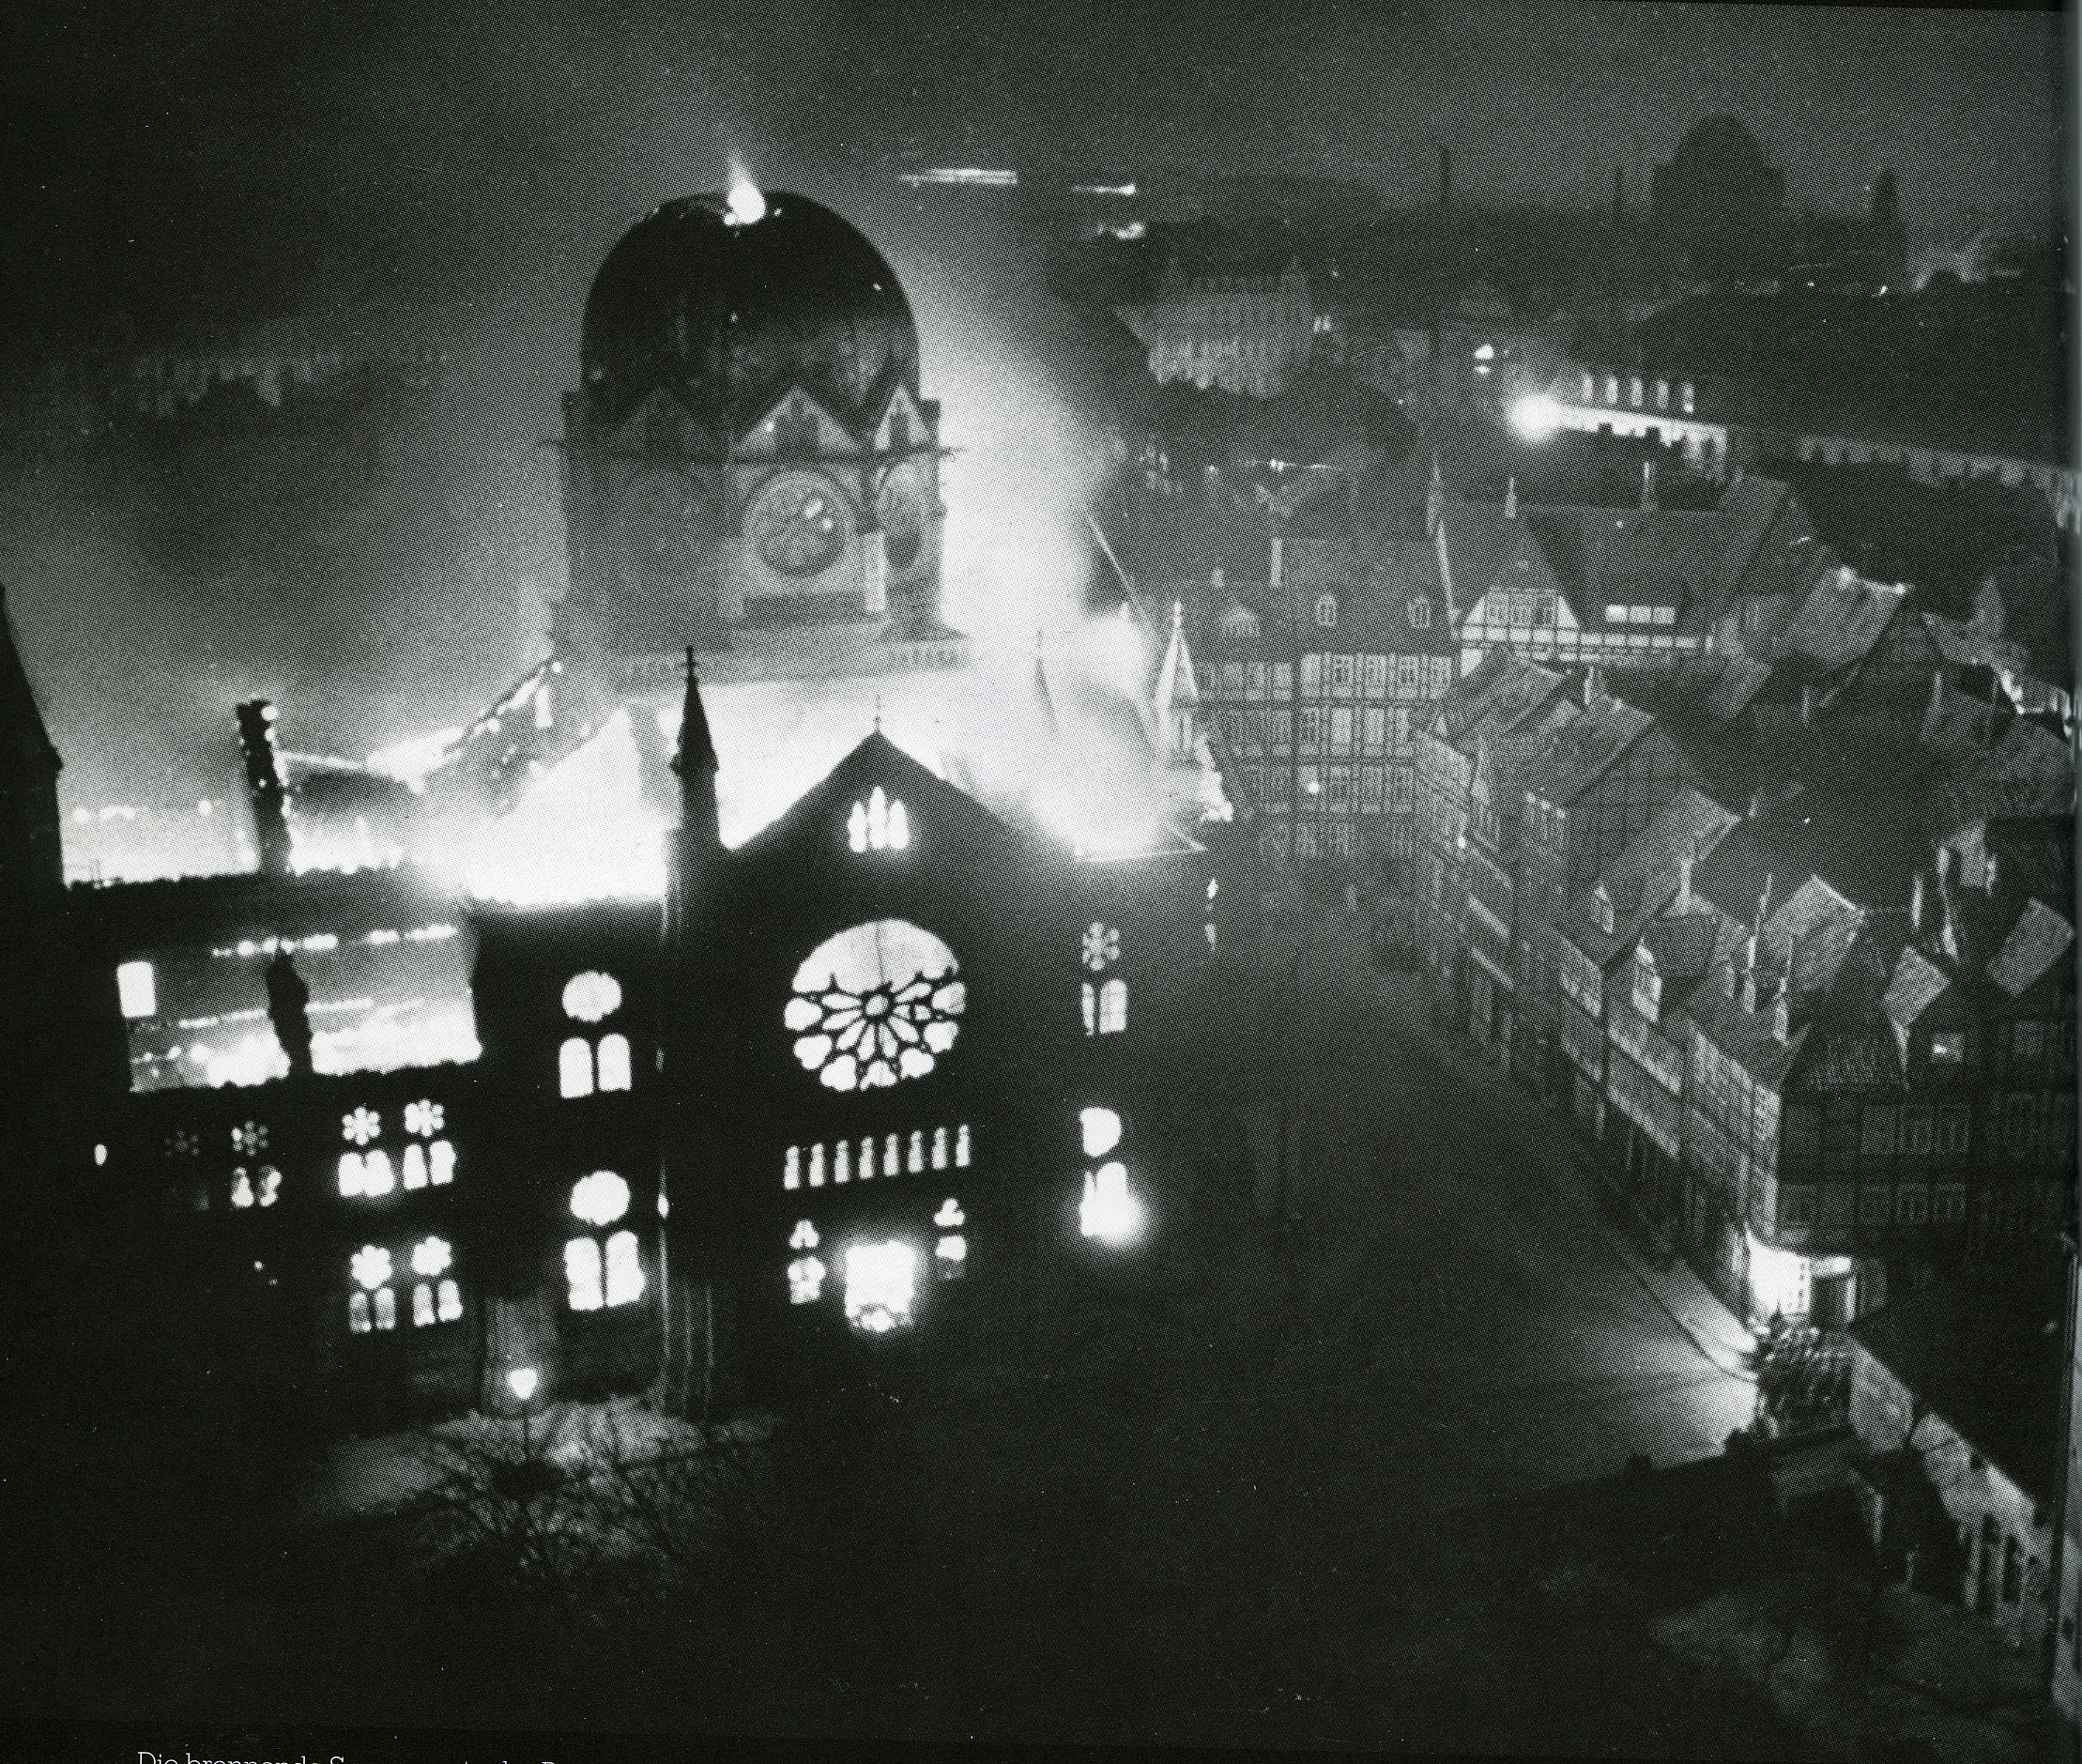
270 1185
1112 1006
953 1251
574 1067
805 1280
360 1127
881 1282
950 1217
250 1138
803 1236
1780 1280
1107 1211
241 1189
1536 416
443 1156
1100 946
745 205
371 1266
600 1199
386 1309
591 995
424 1118
451 1301
358 1312
137 989
1102 1130
413 1168
874 1004
422 1305
961 1146
582 1274
879 824
376 1173
624 1269
522 1381
614 1062
1485 352
432 1256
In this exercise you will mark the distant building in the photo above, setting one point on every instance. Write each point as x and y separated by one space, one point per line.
1717 203
1248 335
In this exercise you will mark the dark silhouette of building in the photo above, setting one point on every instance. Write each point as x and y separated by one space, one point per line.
1717 203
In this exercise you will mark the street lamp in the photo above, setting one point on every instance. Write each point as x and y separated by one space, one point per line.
1536 416
522 1381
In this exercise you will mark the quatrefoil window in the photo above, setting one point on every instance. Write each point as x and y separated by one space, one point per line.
875 1005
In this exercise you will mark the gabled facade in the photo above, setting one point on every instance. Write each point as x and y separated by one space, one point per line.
853 1087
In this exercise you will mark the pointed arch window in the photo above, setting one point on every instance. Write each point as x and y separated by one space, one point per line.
1103 1000
882 823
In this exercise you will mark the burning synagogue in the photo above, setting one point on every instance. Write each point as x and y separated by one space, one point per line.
780 983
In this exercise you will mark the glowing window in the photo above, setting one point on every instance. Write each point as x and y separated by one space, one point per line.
940 1148
424 1118
360 1127
370 1265
432 1256
951 1254
876 1004
917 1160
377 1177
574 1067
590 996
803 1236
961 1146
805 1280
422 1305
386 1309
816 1166
792 1168
624 1269
270 1188
1100 946
450 1301
358 1312
1101 1130
249 1139
1088 998
842 1161
614 1062
1327 611
241 1189
1108 1212
137 990
582 1274
350 1173
440 1163
412 1171
1112 1007
600 1199
867 1158
879 824
882 1283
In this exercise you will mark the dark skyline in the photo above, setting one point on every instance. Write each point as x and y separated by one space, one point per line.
250 158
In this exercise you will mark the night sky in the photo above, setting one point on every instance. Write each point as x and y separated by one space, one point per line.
455 173
184 157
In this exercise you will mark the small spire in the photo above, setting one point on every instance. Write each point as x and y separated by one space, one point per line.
1511 499
696 745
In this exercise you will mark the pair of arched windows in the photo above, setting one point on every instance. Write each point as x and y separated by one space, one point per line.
584 1063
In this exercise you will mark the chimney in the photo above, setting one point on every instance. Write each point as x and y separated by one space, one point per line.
1511 499
1647 486
1936 690
1435 497
1278 565
264 785
1594 685
1807 703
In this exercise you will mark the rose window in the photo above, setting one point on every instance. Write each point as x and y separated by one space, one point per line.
360 1126
878 1003
1101 946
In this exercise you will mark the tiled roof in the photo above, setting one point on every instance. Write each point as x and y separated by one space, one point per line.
1502 693
1960 646
1584 752
1987 1363
1917 983
1840 621
2039 938
1643 878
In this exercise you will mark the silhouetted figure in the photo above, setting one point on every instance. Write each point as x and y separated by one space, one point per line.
288 1009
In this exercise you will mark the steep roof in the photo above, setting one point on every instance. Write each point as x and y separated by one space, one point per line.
24 736
2040 938
1987 1363
1840 620
1644 878
1917 983
1586 749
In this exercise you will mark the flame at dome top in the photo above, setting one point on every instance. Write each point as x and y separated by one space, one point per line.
744 203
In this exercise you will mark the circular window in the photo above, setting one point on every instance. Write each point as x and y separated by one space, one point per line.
599 1199
799 525
878 1003
591 995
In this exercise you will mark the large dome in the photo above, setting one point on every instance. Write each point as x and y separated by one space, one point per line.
729 314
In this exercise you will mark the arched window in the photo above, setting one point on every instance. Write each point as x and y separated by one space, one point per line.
1112 1006
1327 611
881 823
614 1062
574 1067
593 1282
